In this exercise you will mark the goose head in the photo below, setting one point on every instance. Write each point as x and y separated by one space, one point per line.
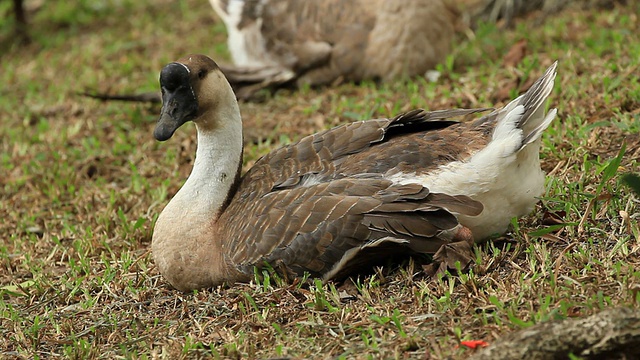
191 87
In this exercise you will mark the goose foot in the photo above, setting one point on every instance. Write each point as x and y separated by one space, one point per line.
454 256
463 234
283 270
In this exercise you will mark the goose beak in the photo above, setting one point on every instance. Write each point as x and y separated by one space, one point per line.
178 107
179 102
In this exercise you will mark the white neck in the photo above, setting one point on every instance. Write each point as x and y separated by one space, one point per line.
215 168
185 246
219 150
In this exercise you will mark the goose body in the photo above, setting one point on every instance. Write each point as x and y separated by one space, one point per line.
340 199
319 42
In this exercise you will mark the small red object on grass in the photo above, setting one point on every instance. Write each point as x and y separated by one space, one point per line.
474 344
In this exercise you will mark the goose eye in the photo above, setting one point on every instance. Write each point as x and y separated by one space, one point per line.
202 73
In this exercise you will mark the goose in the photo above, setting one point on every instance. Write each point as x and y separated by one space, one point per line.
277 43
338 200
321 42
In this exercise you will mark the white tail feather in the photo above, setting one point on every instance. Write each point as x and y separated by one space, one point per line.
505 176
530 116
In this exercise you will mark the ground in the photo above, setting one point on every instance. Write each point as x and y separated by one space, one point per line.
83 182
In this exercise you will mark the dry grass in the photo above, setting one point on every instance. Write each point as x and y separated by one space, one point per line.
83 181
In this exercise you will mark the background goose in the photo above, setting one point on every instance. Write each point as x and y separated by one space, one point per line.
340 199
319 42
322 42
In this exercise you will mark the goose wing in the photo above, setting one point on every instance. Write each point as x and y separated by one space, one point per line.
320 228
303 206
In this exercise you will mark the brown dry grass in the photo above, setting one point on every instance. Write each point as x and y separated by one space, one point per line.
83 181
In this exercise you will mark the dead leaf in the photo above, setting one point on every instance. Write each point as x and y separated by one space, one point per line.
517 52
553 217
503 92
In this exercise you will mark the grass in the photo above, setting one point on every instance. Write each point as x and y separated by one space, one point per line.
83 182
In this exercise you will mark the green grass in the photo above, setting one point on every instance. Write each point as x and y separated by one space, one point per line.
82 183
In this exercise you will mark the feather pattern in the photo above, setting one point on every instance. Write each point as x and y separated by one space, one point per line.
354 203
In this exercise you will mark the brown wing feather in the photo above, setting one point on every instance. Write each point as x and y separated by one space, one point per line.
305 206
310 229
418 146
364 147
